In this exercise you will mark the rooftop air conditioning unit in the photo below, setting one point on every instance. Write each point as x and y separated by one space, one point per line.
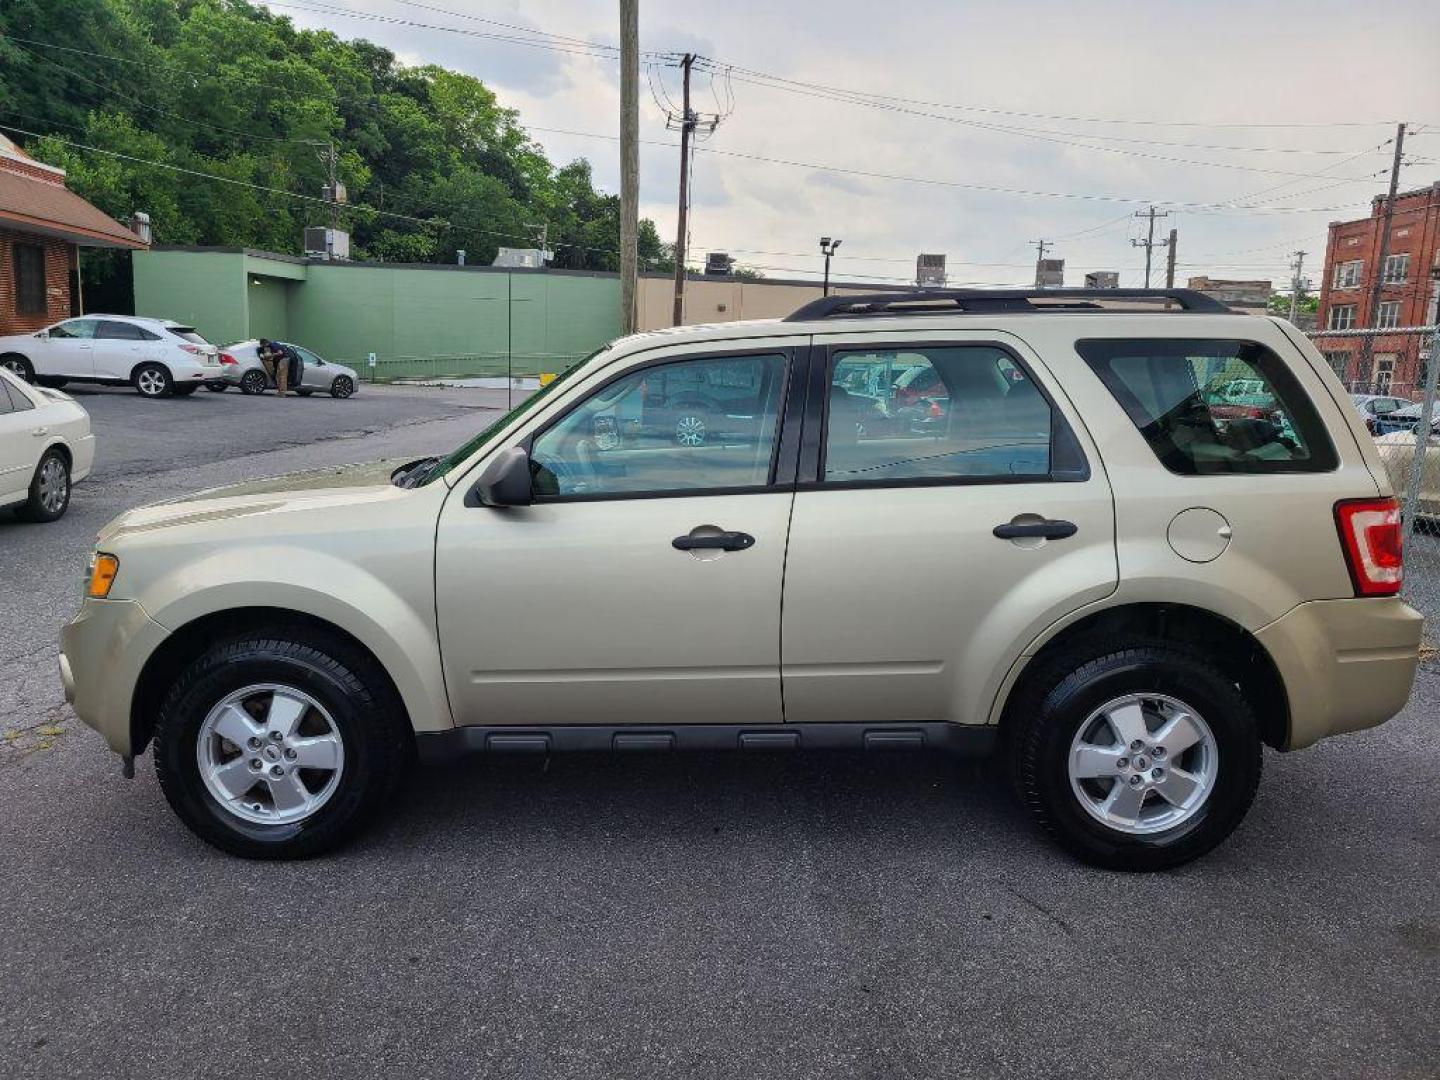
719 264
930 271
323 243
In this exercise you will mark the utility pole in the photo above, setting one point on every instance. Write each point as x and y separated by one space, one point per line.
1149 242
331 161
687 128
827 248
1170 260
629 161
1367 343
1040 248
1297 283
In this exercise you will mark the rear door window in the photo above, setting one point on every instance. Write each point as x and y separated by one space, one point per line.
1209 406
939 413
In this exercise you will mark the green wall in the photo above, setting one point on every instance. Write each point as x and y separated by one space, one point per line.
269 308
204 289
417 320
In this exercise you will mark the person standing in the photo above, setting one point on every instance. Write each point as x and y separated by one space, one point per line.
273 361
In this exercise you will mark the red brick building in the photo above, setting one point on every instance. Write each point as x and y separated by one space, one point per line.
43 226
1407 295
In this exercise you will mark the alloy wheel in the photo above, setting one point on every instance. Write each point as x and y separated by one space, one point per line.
1143 763
150 382
342 387
270 754
19 368
54 485
690 431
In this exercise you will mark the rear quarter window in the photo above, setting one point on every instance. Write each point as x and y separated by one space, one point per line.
1212 406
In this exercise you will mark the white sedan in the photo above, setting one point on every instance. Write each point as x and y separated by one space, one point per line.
158 357
45 447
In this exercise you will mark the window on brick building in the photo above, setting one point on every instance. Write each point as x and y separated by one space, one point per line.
1342 317
1384 372
1397 269
1389 314
1339 362
1347 274
29 279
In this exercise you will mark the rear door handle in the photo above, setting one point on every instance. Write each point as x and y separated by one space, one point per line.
722 541
1051 529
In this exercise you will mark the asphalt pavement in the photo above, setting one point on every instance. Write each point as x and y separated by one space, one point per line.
834 915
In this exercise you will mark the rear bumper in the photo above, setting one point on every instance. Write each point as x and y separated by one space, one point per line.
102 652
1347 665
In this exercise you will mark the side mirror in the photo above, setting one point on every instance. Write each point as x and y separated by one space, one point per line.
505 480
43 335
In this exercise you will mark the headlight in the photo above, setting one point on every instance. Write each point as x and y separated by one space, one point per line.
103 569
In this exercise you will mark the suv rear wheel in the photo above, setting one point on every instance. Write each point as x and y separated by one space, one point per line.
152 380
280 745
1138 757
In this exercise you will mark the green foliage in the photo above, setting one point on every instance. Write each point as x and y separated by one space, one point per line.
1280 304
431 160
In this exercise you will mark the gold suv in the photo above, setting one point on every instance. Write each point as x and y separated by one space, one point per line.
957 520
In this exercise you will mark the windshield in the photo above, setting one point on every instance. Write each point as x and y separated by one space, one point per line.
187 333
462 453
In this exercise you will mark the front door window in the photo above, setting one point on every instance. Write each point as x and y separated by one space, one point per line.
703 424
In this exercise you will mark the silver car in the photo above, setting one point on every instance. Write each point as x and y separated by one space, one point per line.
241 366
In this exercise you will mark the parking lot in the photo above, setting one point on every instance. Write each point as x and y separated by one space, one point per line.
828 915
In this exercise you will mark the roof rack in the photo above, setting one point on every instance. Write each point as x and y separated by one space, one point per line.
992 301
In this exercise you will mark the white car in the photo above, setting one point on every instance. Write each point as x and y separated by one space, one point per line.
45 447
156 356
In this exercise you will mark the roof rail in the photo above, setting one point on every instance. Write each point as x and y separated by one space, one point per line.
991 301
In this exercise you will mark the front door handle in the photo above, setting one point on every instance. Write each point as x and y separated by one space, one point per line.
1050 529
719 541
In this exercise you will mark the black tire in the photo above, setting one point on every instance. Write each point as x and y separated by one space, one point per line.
49 489
18 366
342 387
253 382
152 380
377 740
184 391
217 387
1049 709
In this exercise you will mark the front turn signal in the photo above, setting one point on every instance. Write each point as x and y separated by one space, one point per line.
103 569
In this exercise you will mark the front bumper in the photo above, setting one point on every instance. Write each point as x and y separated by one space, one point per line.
102 652
1347 665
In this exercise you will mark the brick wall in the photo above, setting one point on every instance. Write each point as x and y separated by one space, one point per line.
59 260
1415 231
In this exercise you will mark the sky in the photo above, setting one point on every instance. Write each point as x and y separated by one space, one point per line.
1252 125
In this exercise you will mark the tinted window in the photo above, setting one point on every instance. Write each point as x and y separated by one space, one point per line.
12 398
187 333
119 331
309 357
29 279
75 328
687 426
934 412
1213 406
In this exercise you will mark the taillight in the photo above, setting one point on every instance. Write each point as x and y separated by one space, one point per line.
1370 534
226 358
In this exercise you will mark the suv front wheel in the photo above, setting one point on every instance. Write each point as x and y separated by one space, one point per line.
1134 758
279 745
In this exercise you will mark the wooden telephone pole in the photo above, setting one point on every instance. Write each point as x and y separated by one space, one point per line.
687 129
629 161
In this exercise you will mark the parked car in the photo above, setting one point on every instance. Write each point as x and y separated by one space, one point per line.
45 447
158 357
1398 451
1406 418
1126 597
1374 407
240 366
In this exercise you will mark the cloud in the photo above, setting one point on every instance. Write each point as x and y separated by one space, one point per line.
1230 63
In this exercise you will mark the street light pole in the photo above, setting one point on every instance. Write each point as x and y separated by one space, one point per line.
828 246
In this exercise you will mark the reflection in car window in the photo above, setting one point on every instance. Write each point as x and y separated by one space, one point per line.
1213 406
935 412
691 425
74 328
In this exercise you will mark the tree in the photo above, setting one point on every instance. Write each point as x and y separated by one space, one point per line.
196 93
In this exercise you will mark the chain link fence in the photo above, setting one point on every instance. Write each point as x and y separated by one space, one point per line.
521 370
1392 380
